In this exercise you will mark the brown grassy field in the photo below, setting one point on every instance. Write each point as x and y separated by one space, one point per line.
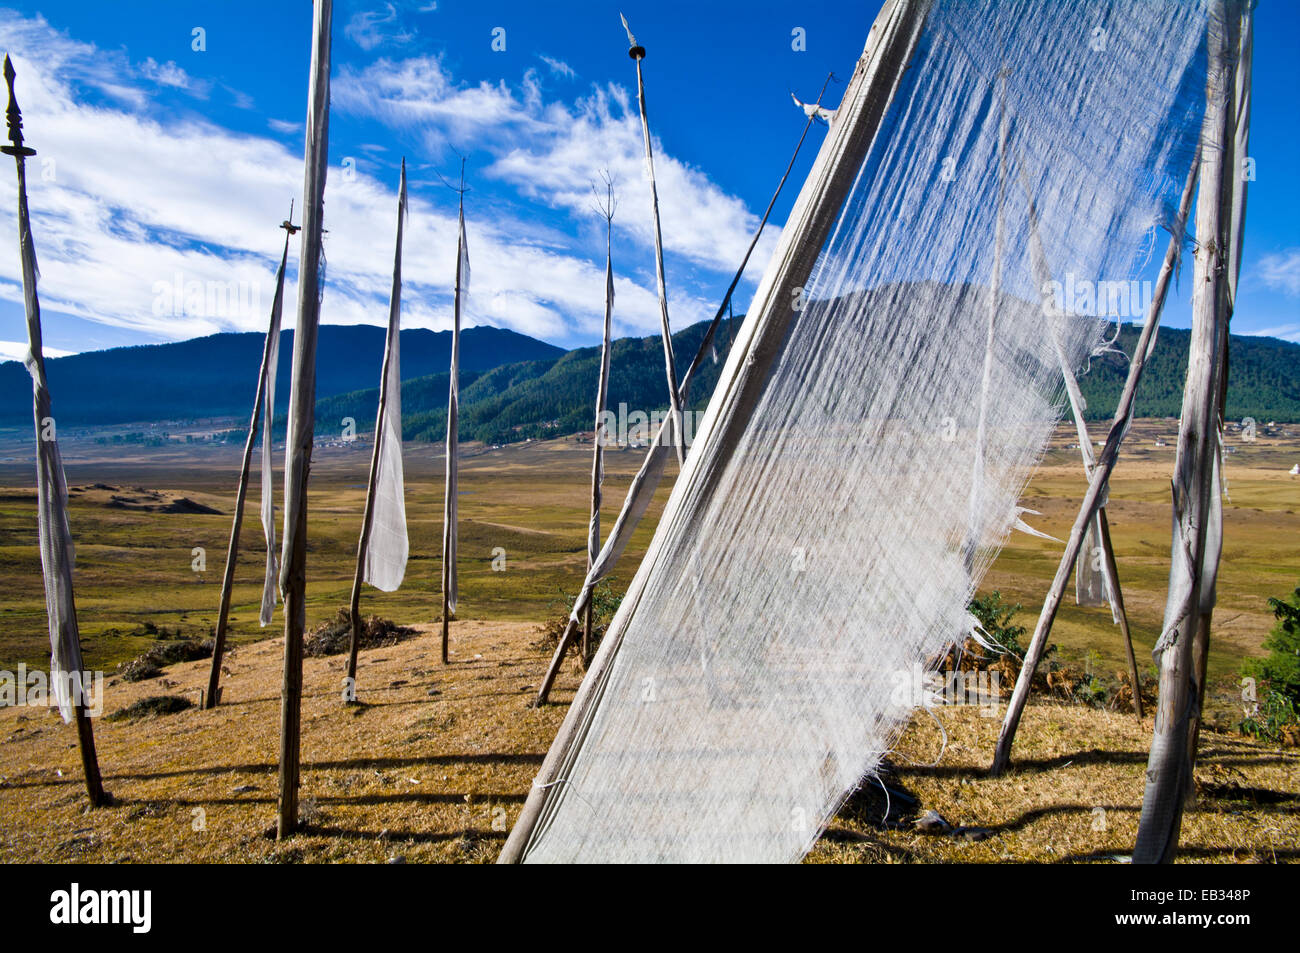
440 776
435 766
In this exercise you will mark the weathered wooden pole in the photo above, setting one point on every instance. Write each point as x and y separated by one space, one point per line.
1098 482
647 478
302 417
1101 527
1214 547
1195 483
450 508
381 425
637 53
269 350
67 671
606 208
1117 602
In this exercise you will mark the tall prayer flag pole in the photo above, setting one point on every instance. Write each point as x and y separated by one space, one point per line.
1197 479
648 476
606 208
637 53
265 398
67 677
383 565
449 511
302 417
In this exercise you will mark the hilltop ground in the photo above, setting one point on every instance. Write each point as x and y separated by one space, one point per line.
430 768
435 766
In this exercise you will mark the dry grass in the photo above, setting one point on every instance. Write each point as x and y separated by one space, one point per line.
436 764
1074 794
408 773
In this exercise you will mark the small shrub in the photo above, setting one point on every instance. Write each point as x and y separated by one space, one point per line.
604 604
1274 721
334 636
1281 667
995 617
153 705
151 663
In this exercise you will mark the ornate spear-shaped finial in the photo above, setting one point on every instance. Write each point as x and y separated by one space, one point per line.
14 116
635 49
287 224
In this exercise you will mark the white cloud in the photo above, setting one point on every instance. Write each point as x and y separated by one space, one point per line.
1287 332
1281 271
17 351
558 67
371 28
551 153
164 74
112 228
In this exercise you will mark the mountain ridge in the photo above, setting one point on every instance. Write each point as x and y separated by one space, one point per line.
216 375
514 387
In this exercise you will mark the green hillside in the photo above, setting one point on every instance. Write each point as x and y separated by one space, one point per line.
1263 378
543 398
547 398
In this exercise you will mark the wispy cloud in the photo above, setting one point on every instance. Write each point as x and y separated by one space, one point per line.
17 351
369 29
165 74
558 67
113 227
1287 332
1281 271
551 152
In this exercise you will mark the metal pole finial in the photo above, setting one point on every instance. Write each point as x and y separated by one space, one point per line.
14 116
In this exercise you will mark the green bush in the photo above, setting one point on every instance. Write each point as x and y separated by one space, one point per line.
1281 667
1275 720
994 617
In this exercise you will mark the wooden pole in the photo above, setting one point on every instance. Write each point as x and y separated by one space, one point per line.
1117 598
52 492
1043 275
449 508
232 552
1169 767
89 759
1097 485
606 208
725 308
1210 560
889 47
367 514
637 53
302 418
582 607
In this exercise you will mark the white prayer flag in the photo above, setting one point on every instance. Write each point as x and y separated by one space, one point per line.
271 587
453 443
387 546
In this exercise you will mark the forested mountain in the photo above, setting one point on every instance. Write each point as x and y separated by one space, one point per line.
514 387
1263 377
553 397
539 398
216 376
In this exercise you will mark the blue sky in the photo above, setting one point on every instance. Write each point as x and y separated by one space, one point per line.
163 167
